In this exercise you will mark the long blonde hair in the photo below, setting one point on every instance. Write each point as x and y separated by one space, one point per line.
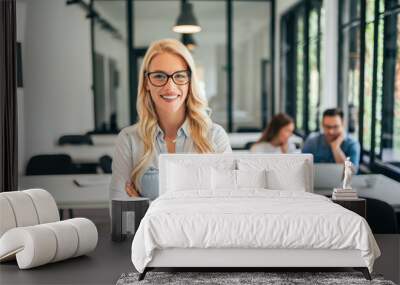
196 108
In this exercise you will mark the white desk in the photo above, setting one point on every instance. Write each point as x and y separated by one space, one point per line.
103 139
375 186
67 194
86 153
239 140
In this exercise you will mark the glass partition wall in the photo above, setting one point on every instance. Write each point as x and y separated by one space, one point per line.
110 66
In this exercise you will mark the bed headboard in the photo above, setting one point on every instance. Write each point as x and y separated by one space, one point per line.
287 169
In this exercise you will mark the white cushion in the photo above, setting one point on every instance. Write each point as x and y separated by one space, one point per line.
67 239
187 177
40 244
251 178
26 208
174 166
277 180
45 205
284 172
223 179
34 244
231 180
23 208
87 233
7 217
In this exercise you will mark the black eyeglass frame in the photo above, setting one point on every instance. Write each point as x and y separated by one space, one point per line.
147 74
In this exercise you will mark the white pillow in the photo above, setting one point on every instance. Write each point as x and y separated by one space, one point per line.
223 179
278 180
251 178
229 179
188 177
283 172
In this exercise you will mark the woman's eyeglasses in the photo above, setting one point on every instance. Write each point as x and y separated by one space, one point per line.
159 78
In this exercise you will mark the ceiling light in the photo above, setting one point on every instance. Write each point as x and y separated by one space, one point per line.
187 22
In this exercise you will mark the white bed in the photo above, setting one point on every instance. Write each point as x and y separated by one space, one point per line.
247 210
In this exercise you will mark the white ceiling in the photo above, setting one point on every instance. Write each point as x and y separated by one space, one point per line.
157 18
204 10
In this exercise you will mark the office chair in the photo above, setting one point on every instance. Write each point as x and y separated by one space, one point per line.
75 140
105 163
381 217
52 164
248 145
248 130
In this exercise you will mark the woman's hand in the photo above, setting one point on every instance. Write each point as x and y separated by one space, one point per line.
130 190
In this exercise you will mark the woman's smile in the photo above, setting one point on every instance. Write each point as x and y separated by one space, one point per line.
170 97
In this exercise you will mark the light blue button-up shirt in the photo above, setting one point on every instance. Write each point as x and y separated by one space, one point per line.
129 149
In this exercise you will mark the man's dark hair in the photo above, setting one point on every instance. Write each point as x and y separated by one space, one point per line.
333 112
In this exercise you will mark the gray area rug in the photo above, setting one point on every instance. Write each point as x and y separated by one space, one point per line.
226 278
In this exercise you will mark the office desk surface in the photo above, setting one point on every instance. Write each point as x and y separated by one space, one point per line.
69 195
375 186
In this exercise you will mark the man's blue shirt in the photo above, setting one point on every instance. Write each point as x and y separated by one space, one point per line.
317 145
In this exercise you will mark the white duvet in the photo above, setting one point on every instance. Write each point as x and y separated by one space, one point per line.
252 218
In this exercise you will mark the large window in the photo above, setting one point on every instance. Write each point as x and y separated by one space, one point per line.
369 61
390 90
301 55
349 65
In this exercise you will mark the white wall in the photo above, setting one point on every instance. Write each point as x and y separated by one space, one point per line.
330 48
57 97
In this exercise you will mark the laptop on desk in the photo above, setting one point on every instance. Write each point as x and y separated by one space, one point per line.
327 175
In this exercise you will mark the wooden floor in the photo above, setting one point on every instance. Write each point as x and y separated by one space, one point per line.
111 259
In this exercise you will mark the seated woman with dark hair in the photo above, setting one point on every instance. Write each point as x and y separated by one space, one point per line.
275 138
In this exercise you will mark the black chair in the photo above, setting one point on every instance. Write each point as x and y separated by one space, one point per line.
105 163
103 132
248 130
75 140
50 164
381 217
248 145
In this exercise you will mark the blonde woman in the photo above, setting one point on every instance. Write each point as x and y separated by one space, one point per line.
172 119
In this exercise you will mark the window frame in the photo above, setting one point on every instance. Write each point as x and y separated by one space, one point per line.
288 74
370 160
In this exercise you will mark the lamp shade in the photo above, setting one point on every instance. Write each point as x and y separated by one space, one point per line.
187 22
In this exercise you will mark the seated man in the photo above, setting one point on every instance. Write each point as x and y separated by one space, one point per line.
333 145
